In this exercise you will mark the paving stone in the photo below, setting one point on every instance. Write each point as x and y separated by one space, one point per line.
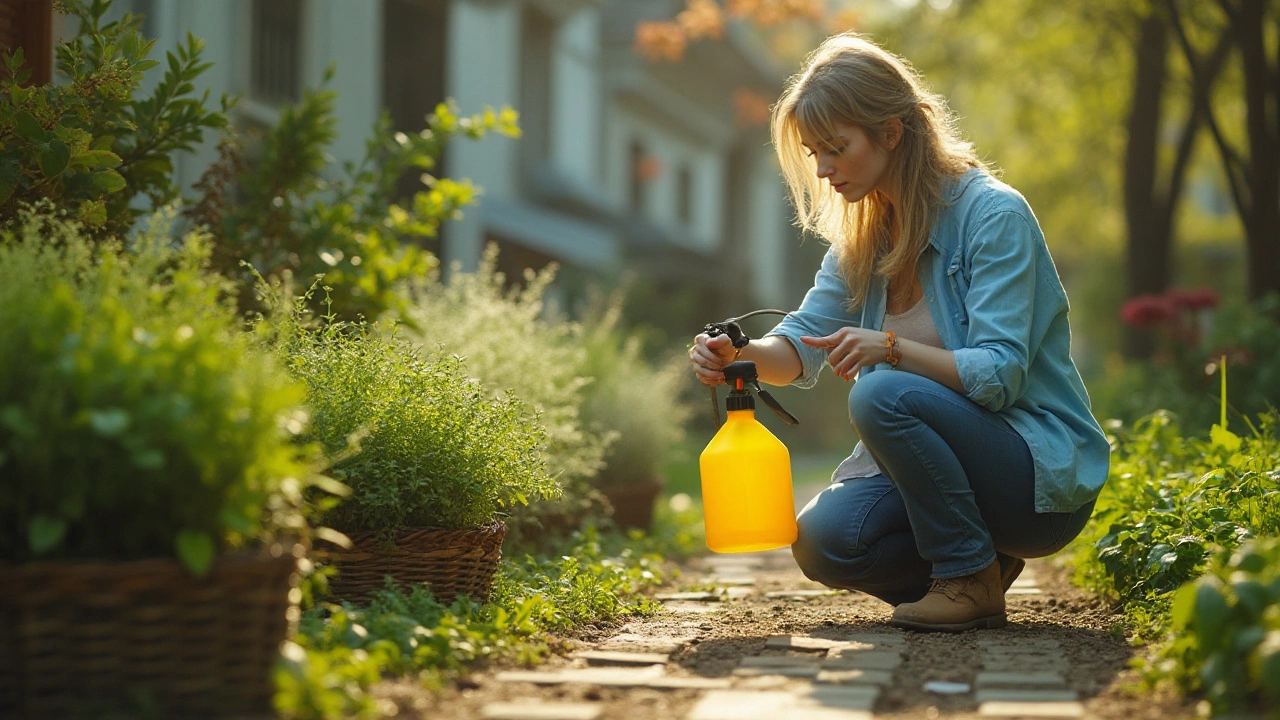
635 642
1024 582
855 677
844 697
742 705
1017 663
771 661
1022 591
611 657
689 596
693 607
1020 644
824 713
1031 709
1024 679
862 660
798 594
883 640
612 677
1029 696
728 579
737 593
540 711
943 687
689 683
800 642
797 671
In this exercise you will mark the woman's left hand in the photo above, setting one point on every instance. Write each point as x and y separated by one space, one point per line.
849 349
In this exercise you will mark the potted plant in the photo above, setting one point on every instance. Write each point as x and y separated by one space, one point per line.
431 458
636 400
151 497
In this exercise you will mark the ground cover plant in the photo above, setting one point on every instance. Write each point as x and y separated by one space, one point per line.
1177 507
137 419
537 603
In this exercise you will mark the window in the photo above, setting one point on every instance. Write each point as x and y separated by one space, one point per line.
684 196
275 52
644 168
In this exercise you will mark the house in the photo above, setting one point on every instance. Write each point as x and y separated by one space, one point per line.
624 164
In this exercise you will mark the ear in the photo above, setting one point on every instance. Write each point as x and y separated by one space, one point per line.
893 133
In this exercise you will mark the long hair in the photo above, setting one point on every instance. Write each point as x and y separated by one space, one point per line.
851 81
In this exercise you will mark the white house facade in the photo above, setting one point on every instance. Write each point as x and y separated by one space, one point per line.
623 163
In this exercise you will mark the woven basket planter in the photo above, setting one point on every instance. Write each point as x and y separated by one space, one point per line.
450 562
77 639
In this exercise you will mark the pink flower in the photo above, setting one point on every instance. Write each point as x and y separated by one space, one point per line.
1148 310
1193 299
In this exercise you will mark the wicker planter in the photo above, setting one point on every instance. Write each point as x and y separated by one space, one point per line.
633 502
77 639
450 562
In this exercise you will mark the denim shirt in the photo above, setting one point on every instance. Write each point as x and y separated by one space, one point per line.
999 306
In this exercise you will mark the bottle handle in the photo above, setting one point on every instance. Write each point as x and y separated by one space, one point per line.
778 410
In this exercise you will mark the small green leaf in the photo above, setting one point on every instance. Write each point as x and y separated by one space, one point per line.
237 521
54 159
109 422
108 181
195 549
46 533
1224 438
27 127
96 158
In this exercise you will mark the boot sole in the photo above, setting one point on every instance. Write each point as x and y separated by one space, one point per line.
990 622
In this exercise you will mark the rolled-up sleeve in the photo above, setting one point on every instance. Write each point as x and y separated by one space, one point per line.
823 311
1001 258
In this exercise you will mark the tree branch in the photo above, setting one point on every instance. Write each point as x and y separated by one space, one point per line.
1201 87
1232 165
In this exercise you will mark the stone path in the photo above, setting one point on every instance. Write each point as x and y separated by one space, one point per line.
767 644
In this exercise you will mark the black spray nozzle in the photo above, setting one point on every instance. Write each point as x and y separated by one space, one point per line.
739 339
742 380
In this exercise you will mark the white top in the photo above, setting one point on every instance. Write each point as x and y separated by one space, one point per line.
915 324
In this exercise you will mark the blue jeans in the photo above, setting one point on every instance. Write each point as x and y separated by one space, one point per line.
957 487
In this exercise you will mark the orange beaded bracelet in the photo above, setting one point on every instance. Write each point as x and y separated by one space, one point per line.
892 354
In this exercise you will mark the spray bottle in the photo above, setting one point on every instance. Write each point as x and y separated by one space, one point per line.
746 473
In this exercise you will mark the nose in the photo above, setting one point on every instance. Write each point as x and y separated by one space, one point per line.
825 169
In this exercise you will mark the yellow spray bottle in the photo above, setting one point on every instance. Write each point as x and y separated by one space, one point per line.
746 474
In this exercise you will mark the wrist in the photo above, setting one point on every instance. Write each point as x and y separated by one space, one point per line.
892 353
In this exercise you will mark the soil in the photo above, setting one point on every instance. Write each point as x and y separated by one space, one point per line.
722 633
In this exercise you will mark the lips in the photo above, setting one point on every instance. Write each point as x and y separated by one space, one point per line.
838 187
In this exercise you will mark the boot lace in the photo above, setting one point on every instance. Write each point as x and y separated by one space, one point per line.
951 587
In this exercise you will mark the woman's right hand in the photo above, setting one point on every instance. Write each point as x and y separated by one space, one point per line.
709 355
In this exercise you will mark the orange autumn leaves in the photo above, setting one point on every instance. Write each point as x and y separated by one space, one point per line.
666 40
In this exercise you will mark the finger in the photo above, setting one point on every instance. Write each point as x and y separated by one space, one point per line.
710 378
827 341
707 358
845 367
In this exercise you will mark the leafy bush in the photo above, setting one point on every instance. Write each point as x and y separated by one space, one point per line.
1226 630
342 651
637 401
271 207
435 449
85 141
137 419
509 343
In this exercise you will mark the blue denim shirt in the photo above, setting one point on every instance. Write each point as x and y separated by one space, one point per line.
999 306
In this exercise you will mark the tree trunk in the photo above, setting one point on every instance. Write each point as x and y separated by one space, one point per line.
1148 253
1261 215
28 24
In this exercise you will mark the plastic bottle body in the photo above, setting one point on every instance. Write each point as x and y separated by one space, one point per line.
747 499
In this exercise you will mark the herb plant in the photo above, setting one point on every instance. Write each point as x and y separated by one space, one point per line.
137 419
434 447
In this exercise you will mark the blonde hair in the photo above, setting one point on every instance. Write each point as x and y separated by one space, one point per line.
851 81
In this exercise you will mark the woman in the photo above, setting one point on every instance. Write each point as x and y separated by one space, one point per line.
977 447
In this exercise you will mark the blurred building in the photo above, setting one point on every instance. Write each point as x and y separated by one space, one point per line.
624 164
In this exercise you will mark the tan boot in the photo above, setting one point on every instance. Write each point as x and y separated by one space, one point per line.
957 604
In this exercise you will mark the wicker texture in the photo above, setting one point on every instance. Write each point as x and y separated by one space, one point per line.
80 638
450 562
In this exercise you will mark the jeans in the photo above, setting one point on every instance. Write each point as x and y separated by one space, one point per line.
956 489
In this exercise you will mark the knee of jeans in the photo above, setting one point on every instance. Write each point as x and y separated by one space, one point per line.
824 553
871 400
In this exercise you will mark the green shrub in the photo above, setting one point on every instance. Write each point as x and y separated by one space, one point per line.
510 344
271 206
435 449
637 401
137 419
1226 630
85 141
